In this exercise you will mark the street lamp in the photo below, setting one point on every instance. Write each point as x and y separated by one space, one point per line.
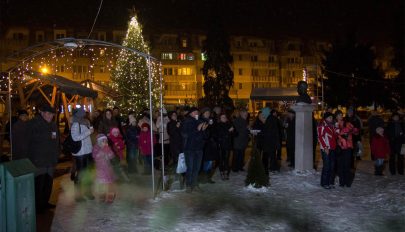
44 70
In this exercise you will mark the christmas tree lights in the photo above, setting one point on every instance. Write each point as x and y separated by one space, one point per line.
130 77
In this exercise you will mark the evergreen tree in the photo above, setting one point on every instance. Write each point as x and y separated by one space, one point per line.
351 75
398 85
218 75
256 175
131 74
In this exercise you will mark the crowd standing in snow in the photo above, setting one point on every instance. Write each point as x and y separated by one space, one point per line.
209 140
340 140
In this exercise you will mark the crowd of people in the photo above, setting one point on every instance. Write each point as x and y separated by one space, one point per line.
209 139
340 141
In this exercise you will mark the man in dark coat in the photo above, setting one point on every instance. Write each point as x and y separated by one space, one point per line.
19 136
271 138
240 141
396 136
193 131
43 151
176 141
211 154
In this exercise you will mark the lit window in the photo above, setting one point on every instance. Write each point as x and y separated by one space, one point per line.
167 56
182 56
203 57
184 43
102 69
190 56
184 71
240 85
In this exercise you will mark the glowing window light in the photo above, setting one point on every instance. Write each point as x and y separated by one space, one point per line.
304 74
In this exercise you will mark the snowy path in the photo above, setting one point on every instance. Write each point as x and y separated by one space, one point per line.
292 203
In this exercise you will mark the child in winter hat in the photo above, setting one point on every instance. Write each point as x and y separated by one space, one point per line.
105 176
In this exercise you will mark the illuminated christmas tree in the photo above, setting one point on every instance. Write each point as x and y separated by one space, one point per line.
130 77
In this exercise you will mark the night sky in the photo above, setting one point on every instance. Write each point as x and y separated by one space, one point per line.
372 20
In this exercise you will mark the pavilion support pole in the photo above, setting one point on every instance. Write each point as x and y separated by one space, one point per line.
66 109
32 90
53 96
43 94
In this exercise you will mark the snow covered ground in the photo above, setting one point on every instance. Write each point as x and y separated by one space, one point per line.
292 203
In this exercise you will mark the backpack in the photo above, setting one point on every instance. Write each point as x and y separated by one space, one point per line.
69 145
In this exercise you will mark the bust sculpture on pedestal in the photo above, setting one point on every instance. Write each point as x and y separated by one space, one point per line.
302 88
303 129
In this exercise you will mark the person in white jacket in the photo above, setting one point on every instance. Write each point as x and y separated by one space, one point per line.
81 131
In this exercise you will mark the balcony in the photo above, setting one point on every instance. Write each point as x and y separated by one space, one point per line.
182 78
265 64
293 66
265 79
180 93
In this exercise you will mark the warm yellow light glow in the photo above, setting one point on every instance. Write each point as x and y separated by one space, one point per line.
44 70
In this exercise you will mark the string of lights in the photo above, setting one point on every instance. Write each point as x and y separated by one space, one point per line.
364 79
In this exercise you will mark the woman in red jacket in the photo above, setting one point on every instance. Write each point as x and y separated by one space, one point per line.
380 148
345 131
327 141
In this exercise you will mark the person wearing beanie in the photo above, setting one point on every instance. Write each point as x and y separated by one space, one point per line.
327 138
117 140
105 176
193 132
43 151
380 148
81 130
145 149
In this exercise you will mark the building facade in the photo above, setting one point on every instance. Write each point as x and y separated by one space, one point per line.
257 62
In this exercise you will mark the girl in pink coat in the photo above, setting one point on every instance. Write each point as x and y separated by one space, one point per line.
118 144
105 176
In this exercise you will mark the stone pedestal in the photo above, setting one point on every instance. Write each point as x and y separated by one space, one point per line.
303 136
